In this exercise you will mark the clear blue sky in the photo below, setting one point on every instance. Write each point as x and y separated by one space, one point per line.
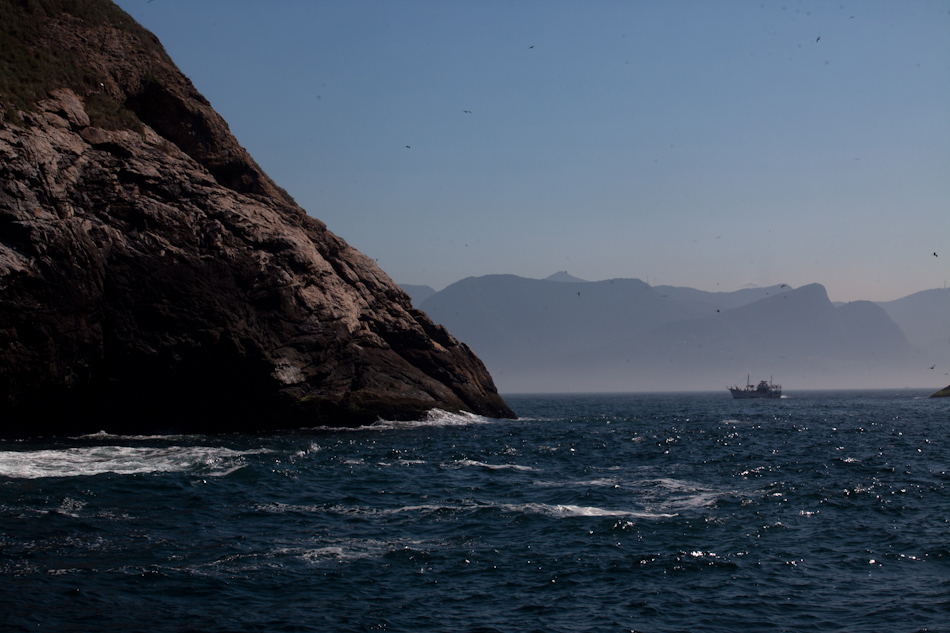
703 144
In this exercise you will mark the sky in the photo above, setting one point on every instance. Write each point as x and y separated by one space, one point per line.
690 143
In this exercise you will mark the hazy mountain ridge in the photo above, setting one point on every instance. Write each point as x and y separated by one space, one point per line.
521 322
624 335
417 293
719 300
923 316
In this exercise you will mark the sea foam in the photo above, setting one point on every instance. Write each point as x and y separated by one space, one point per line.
432 418
566 511
470 462
126 460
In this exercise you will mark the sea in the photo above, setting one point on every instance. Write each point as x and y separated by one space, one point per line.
821 511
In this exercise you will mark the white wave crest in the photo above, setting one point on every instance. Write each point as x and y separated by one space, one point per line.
612 482
470 462
347 550
125 460
564 511
433 418
676 495
103 435
556 511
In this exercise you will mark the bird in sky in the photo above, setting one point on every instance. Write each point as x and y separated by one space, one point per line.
782 286
407 147
467 111
816 41
935 254
531 47
932 366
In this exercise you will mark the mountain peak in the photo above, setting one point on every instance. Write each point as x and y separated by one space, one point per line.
563 276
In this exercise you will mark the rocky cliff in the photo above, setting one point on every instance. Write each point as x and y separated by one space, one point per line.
943 393
153 277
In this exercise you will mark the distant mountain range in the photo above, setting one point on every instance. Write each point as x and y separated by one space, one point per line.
566 334
418 294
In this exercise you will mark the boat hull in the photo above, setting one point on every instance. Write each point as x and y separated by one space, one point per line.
740 394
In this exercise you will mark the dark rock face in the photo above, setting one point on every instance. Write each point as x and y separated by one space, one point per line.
157 279
943 393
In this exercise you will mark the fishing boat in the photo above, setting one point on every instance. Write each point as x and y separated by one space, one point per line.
765 389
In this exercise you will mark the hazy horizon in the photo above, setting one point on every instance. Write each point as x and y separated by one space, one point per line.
622 335
691 144
717 289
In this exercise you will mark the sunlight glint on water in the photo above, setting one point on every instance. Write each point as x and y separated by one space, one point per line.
823 511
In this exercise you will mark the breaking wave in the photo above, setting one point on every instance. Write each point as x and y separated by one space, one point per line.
566 511
470 462
433 418
123 460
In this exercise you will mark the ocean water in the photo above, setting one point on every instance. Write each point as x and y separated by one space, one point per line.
823 511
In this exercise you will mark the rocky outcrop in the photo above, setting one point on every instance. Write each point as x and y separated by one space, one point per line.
152 277
943 393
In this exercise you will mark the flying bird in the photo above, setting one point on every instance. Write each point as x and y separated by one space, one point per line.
531 47
819 37
407 147
935 254
782 286
932 366
467 111
717 310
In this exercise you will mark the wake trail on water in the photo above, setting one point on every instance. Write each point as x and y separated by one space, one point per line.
123 460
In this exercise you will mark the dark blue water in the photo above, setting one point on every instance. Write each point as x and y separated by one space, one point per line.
825 511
